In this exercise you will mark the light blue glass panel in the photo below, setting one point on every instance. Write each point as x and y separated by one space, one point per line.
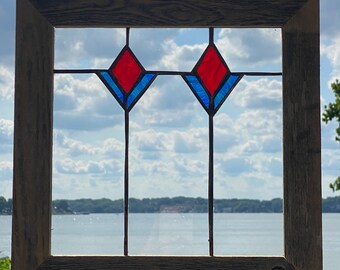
199 90
228 85
139 88
113 85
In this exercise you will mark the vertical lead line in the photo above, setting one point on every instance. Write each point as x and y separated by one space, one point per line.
126 185
211 35
127 36
211 185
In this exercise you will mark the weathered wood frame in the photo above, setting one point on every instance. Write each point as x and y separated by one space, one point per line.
36 19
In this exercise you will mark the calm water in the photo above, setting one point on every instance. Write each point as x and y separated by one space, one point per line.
175 234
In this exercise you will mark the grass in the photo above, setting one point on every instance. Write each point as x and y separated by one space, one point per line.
5 264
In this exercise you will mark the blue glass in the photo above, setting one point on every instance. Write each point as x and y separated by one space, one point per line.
113 85
225 89
199 90
139 88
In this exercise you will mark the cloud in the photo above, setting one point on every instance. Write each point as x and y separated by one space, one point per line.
6 130
234 166
113 147
97 48
103 168
330 161
168 94
182 57
6 83
84 104
191 141
186 167
88 48
249 47
149 141
75 147
152 45
168 103
259 94
6 136
260 123
6 171
332 52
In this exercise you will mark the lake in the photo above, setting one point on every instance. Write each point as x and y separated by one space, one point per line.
175 234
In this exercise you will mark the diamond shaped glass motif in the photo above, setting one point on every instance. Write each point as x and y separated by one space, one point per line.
211 80
126 69
211 69
126 79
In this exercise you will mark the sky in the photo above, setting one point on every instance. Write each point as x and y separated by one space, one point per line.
168 127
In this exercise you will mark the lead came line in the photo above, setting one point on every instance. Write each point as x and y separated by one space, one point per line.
126 186
126 169
211 185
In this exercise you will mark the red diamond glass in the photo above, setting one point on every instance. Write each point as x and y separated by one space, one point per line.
127 70
211 69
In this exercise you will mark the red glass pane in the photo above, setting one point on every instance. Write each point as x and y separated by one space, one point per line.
211 69
127 71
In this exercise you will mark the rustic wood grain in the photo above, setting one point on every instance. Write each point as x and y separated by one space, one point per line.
166 263
174 13
33 122
301 133
32 138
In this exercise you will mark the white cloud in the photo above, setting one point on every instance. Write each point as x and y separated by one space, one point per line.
102 168
188 142
6 136
182 57
259 94
84 104
6 83
259 123
6 170
249 47
88 48
332 52
75 147
150 141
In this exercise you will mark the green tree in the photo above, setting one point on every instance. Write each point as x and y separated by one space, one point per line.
332 111
5 264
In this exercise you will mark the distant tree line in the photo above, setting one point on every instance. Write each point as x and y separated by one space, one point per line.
5 206
170 205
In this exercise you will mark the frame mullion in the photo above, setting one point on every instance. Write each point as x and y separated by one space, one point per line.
33 127
302 139
166 263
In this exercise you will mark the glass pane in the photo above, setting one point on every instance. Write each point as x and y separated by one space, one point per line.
168 172
248 175
88 166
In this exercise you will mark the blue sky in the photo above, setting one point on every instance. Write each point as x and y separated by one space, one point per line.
169 133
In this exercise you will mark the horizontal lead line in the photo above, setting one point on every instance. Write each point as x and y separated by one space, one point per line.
258 73
87 71
170 72
77 71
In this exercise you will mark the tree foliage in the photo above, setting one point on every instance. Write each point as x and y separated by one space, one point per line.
5 264
332 111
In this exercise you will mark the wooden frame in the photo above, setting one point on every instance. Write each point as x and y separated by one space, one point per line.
36 19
